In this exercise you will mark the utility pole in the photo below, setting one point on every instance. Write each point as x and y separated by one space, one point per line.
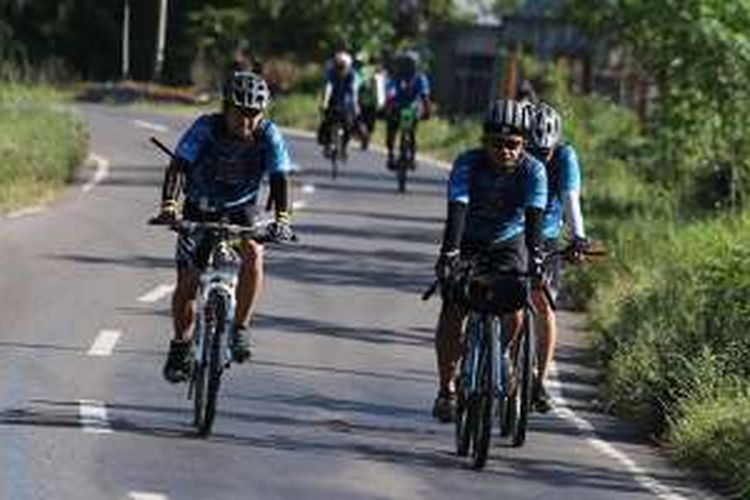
161 40
126 40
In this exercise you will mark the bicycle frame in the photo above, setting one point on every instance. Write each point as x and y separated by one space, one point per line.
485 385
484 329
220 279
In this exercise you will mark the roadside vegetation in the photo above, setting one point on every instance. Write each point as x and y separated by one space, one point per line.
670 309
41 144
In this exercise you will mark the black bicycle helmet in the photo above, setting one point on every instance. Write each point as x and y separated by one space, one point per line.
246 89
507 117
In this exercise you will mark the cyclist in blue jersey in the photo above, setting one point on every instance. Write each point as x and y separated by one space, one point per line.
218 166
564 186
496 199
407 87
340 98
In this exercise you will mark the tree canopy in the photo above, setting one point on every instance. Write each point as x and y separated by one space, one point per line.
698 52
86 34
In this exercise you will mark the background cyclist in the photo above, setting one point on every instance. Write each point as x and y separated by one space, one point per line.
408 86
218 166
339 99
496 198
564 181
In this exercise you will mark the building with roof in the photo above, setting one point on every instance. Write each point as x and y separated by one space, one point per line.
469 61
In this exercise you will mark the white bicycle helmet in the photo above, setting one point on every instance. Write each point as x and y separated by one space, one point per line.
248 90
507 117
342 60
546 129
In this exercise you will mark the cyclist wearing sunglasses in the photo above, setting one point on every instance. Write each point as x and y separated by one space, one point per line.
496 198
564 185
218 166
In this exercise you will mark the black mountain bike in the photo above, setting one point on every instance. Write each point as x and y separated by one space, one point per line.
495 377
496 372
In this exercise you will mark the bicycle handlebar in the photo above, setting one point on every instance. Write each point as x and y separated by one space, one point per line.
257 232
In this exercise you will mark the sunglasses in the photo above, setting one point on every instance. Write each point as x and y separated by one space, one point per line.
509 143
249 112
245 112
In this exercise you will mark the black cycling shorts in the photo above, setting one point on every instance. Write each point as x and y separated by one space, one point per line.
507 256
193 250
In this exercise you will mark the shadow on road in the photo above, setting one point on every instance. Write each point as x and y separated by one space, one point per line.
310 326
404 445
139 261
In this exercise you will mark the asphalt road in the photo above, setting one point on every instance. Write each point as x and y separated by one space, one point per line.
337 401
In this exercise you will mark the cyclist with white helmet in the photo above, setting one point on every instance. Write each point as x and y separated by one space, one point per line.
339 99
218 166
564 187
496 199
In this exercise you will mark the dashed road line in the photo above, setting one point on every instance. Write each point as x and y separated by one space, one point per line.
157 293
102 170
641 476
146 495
150 126
104 343
308 189
92 415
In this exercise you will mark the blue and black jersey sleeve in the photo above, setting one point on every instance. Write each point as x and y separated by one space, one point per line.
277 159
196 138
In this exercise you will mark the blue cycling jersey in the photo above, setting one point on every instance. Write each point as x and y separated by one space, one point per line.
224 172
563 176
497 198
343 88
405 91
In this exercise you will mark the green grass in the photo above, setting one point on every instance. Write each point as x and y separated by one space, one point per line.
40 142
713 435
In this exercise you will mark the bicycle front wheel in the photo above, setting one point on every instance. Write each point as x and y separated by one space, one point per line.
480 411
215 326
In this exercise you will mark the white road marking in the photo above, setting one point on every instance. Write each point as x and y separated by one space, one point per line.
299 205
102 170
563 411
150 126
308 189
92 416
25 212
157 293
104 343
145 495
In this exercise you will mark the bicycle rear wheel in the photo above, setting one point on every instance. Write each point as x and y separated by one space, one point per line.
212 368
